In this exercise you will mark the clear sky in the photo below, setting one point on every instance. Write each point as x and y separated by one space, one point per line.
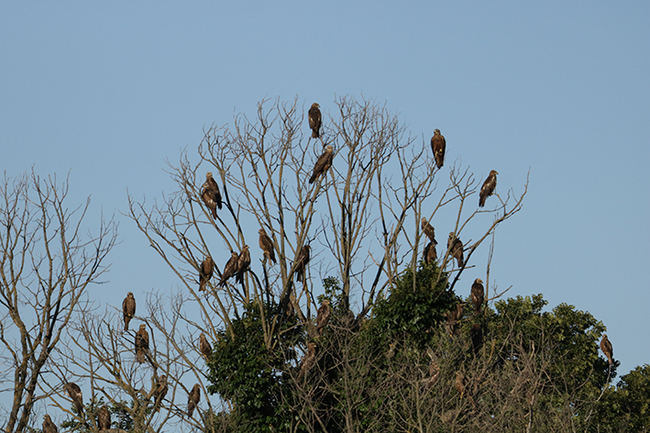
112 91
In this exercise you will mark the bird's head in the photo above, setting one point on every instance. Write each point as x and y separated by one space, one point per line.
478 281
436 132
261 231
329 148
234 254
423 220
208 175
494 172
143 327
245 248
130 294
315 105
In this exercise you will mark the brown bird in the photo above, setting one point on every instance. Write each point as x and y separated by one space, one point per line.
428 230
74 392
606 347
459 383
488 187
315 120
141 344
478 294
205 272
308 360
266 244
230 269
438 145
103 418
243 263
301 262
193 399
323 316
204 346
160 392
323 163
211 195
476 334
455 247
48 425
453 317
430 254
128 309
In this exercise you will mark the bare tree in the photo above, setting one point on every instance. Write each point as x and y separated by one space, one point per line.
47 262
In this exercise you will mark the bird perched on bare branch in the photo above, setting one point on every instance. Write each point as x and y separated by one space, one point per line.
453 317
193 399
128 309
488 187
141 344
48 425
323 316
230 269
103 418
478 294
267 246
315 120
430 254
455 247
323 163
74 392
476 334
211 195
204 346
160 391
205 272
428 230
243 263
301 262
438 145
606 347
308 360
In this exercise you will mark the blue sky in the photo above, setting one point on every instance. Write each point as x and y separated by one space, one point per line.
113 91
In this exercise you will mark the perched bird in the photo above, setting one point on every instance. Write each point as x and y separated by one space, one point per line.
128 309
267 246
74 392
308 360
204 346
211 195
488 187
430 254
455 247
48 425
230 269
243 262
476 334
103 418
428 230
323 163
301 262
323 316
459 383
160 392
193 399
438 145
606 347
453 317
205 272
141 343
478 294
315 120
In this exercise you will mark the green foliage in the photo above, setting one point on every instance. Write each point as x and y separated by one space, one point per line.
120 418
626 408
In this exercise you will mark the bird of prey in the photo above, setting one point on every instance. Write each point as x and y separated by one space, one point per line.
211 195
606 347
478 294
160 392
243 262
430 254
476 334
323 316
74 392
141 343
205 272
193 399
301 262
308 360
453 317
323 163
204 346
128 309
459 383
315 120
455 247
267 246
103 418
438 145
488 187
48 425
230 269
428 230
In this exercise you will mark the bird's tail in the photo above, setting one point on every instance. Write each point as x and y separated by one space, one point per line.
481 201
314 134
